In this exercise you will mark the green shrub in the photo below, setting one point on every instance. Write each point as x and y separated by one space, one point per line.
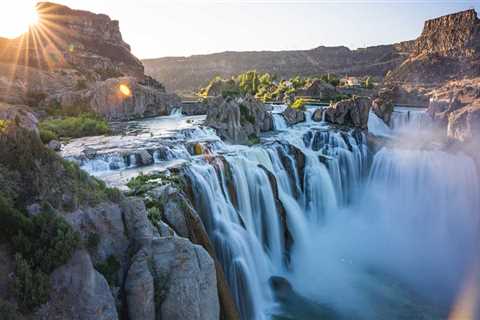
8 311
109 269
11 219
32 287
47 135
47 242
93 240
245 115
298 104
76 127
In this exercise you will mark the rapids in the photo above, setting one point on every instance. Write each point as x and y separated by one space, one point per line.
355 234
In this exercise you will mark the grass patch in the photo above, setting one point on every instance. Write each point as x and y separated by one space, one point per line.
73 127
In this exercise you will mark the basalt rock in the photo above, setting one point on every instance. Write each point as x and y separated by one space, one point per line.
79 292
238 119
446 49
464 124
91 43
293 116
13 117
352 112
318 89
383 106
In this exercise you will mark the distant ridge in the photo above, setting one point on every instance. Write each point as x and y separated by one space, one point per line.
189 73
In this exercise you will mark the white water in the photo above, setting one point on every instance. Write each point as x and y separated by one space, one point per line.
279 122
384 236
401 234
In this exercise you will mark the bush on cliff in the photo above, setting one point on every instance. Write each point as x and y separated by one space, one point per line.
30 172
41 243
73 127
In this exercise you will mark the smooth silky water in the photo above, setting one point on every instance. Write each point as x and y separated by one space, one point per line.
344 234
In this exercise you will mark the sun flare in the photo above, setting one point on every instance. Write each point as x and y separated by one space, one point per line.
13 24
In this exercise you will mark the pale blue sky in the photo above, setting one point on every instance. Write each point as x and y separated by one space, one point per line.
156 28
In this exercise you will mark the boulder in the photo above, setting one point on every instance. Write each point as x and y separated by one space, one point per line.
140 289
106 223
464 124
145 157
138 227
185 280
293 116
238 119
194 108
78 291
14 116
383 105
318 89
352 112
318 114
125 98
55 145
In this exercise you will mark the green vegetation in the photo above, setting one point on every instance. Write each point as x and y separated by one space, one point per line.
298 104
42 243
264 86
8 311
109 269
29 170
142 184
73 127
245 115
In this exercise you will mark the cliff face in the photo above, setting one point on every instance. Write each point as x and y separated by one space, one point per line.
66 38
189 73
448 48
77 58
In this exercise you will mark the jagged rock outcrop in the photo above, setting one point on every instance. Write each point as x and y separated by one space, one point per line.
188 275
194 108
79 64
118 99
383 104
318 89
352 112
91 43
293 116
13 116
447 48
238 119
464 124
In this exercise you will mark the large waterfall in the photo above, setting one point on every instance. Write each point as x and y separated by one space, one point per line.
311 224
362 230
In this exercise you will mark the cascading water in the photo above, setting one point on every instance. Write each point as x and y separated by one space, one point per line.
279 122
357 235
359 241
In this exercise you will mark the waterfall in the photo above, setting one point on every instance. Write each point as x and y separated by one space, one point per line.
176 112
279 122
377 126
408 120
365 236
244 218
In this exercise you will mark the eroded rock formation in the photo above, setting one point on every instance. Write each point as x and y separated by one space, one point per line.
238 120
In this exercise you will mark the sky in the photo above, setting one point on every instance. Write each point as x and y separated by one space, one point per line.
159 28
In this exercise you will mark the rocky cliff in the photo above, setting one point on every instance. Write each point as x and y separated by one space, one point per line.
190 73
82 40
447 49
78 59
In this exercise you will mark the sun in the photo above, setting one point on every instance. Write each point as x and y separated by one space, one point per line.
31 18
19 19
